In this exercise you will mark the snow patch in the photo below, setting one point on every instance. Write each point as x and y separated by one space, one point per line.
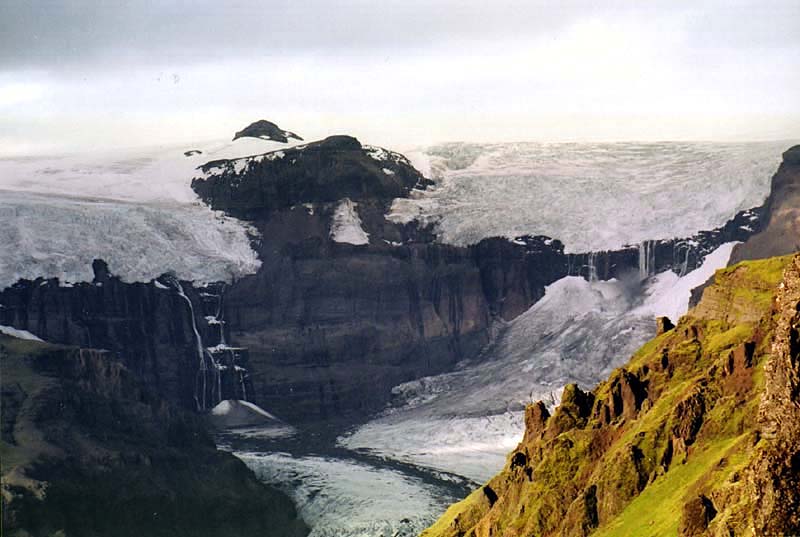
228 405
346 225
17 333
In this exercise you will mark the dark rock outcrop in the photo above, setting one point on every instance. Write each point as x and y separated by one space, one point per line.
89 450
266 130
697 515
780 233
326 171
663 324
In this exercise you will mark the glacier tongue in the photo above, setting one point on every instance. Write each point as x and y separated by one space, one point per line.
346 498
134 208
465 422
59 237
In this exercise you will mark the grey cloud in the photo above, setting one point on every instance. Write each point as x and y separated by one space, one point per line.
56 34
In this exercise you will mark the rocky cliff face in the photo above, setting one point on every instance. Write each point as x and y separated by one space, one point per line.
159 330
781 231
694 436
332 326
90 450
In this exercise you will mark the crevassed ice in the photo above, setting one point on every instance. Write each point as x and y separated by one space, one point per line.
59 237
133 208
467 421
592 196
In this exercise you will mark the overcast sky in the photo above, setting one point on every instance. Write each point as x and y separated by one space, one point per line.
87 74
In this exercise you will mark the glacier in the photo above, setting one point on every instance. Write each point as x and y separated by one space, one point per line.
591 196
133 208
341 497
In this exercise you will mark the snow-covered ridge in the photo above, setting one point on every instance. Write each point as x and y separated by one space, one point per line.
238 165
384 155
591 196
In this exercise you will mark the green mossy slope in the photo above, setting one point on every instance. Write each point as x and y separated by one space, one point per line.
669 444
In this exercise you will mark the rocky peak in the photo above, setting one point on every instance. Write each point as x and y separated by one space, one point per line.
324 171
266 130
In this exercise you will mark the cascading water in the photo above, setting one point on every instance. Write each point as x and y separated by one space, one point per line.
201 379
647 259
682 250
224 357
592 265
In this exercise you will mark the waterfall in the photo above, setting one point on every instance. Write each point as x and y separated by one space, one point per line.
201 354
219 316
242 372
592 264
215 359
684 265
201 379
647 259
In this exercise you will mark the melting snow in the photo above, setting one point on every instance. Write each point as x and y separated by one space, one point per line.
669 295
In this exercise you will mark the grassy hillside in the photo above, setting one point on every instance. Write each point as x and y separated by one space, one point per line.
674 443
